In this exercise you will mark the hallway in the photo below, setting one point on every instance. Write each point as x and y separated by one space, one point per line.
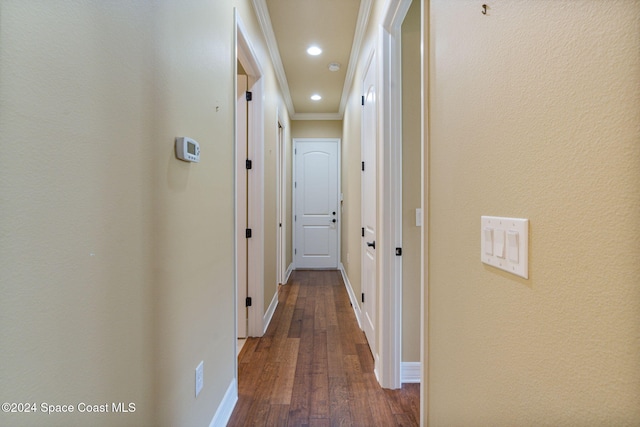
313 366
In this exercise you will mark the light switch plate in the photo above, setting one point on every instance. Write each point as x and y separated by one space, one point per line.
515 247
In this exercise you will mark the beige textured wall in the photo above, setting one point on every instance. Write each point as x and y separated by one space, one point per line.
351 160
534 112
77 160
316 129
115 265
411 184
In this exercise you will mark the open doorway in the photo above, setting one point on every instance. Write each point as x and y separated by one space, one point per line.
249 188
411 195
396 306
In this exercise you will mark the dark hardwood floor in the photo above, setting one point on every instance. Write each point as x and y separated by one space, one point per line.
313 367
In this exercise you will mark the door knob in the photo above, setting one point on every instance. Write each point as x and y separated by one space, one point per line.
333 220
372 244
334 213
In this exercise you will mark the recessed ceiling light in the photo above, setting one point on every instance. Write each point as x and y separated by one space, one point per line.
334 66
316 97
314 50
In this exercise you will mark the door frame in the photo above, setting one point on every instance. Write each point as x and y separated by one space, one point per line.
246 55
281 199
241 263
293 196
390 170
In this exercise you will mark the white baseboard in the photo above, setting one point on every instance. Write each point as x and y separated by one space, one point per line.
352 295
288 273
410 372
225 409
269 314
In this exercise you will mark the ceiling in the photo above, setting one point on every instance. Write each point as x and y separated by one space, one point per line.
337 27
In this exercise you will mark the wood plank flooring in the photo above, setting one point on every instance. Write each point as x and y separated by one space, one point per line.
313 367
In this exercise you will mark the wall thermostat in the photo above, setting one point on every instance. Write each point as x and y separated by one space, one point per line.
187 149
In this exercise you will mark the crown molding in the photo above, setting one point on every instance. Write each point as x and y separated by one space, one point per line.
262 13
361 28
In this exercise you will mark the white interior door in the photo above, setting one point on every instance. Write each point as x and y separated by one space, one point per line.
241 204
369 204
316 203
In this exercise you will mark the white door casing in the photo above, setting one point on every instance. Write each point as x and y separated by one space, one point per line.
390 193
241 204
247 57
281 195
316 213
369 204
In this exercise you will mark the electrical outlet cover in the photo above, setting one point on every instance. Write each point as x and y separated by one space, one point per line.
199 378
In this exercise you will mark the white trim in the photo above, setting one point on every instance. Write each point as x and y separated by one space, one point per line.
262 13
411 372
225 409
361 29
240 191
425 53
269 314
288 273
235 187
235 218
256 211
390 348
281 197
247 57
245 51
352 296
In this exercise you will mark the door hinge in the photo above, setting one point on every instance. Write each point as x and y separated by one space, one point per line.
363 100
363 297
248 164
280 225
362 231
249 96
295 252
247 233
398 251
247 302
362 166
